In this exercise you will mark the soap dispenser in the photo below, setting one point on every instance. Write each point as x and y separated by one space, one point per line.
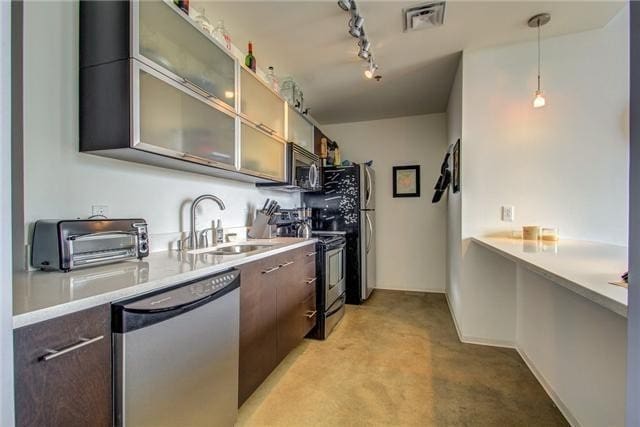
219 232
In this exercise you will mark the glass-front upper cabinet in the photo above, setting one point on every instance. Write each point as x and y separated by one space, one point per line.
166 38
260 104
260 154
174 122
299 130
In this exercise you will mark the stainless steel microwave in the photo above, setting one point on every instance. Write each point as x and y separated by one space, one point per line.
303 171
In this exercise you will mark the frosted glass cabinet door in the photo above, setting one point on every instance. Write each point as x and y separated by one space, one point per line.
261 154
168 40
174 120
300 131
260 104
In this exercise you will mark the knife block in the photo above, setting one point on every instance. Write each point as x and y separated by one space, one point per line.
261 227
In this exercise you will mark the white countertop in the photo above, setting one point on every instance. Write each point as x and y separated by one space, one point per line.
585 268
39 295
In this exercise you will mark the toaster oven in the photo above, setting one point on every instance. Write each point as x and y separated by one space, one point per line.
69 244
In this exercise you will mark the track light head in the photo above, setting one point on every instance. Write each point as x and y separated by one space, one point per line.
358 21
371 70
363 53
355 32
344 4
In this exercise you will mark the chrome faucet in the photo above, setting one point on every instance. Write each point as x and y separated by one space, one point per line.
193 235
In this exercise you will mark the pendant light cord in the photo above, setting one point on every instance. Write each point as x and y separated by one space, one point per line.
538 54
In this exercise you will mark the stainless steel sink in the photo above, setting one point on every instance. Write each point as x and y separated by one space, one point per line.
237 249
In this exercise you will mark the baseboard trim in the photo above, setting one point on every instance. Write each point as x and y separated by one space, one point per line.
422 291
547 388
537 374
476 340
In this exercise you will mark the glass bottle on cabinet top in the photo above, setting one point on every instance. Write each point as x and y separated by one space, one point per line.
173 120
261 154
168 40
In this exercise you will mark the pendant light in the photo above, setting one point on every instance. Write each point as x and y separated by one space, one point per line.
538 21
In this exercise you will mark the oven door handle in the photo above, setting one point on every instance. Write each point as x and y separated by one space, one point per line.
100 234
342 298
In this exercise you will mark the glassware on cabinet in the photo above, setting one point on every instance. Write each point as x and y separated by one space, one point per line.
551 234
272 80
202 20
287 89
221 34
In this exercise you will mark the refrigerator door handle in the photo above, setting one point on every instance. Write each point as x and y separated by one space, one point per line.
370 232
368 188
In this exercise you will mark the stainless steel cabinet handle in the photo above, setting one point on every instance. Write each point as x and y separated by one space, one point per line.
311 281
52 354
271 270
265 128
196 88
311 253
310 314
286 264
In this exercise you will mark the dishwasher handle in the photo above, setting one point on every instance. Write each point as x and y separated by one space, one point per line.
152 308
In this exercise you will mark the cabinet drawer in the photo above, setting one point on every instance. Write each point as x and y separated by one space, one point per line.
310 314
71 385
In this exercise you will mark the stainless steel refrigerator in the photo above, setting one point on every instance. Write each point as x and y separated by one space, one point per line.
347 203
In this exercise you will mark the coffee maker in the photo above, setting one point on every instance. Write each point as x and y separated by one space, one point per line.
293 222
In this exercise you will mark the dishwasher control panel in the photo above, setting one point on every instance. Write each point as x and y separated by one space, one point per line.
141 311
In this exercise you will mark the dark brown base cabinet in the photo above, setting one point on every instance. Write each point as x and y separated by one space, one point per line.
73 386
277 310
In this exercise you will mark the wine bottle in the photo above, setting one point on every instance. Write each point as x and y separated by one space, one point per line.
250 60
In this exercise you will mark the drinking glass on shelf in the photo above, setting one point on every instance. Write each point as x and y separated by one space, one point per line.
202 20
221 34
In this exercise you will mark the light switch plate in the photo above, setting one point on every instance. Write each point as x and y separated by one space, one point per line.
508 213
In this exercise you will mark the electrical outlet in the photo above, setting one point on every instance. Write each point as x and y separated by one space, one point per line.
101 210
508 213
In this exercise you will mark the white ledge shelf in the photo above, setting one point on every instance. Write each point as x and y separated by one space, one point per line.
583 267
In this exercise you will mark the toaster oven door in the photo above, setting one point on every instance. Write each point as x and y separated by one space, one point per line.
102 247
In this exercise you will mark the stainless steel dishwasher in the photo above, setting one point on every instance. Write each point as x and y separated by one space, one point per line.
176 355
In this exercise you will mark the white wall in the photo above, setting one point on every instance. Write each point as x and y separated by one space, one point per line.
60 182
563 165
454 200
411 232
6 302
633 358
576 347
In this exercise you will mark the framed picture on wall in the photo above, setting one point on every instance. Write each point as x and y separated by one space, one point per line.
456 167
406 181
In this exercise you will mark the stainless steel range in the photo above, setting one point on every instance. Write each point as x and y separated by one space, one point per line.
330 291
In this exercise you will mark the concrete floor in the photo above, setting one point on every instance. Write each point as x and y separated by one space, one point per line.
397 361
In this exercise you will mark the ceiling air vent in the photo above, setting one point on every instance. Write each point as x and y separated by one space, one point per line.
426 15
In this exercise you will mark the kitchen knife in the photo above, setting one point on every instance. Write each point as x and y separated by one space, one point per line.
264 208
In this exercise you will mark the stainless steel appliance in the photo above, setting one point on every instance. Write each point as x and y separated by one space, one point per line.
303 171
347 203
176 355
331 280
69 244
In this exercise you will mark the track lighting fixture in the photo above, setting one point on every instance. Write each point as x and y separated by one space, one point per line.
356 29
